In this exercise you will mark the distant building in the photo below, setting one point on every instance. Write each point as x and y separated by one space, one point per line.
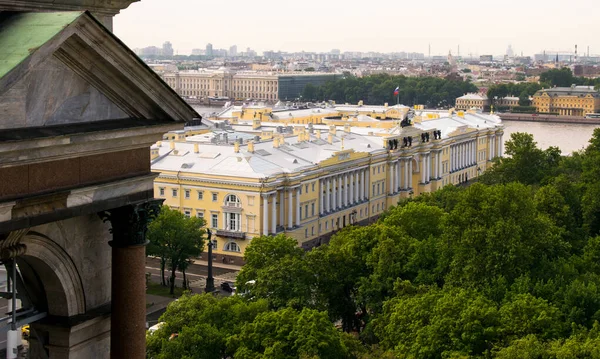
150 51
486 58
568 101
269 86
472 101
262 175
209 50
198 52
167 49
233 51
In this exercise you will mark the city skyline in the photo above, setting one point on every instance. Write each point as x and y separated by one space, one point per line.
371 29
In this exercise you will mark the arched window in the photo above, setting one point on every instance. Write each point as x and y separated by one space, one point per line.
232 247
232 201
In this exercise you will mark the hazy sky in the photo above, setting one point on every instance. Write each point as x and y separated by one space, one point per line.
478 26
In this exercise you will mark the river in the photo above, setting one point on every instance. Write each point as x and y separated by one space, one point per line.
567 137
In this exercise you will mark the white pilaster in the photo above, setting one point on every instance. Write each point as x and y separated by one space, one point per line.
328 195
282 208
321 198
346 187
265 215
340 193
274 214
298 206
410 172
333 193
362 185
291 209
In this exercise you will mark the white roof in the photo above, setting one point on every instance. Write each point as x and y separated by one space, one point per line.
472 96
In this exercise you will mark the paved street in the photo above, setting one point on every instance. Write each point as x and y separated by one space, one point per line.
196 273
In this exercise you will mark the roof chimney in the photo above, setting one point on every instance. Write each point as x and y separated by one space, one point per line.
332 129
276 142
236 147
196 149
330 138
172 145
251 146
318 134
256 123
159 143
347 128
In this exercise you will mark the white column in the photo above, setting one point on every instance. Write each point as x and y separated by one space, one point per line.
282 208
406 185
362 185
351 189
437 165
265 215
356 186
346 187
500 146
398 177
333 194
322 198
428 166
410 171
298 206
451 158
340 193
423 168
291 209
328 195
392 170
274 214
490 148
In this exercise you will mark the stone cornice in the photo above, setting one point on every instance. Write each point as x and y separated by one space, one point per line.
104 7
72 145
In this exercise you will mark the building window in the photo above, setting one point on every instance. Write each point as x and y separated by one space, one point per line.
326 225
232 247
306 188
312 209
233 221
312 231
174 192
214 243
200 195
199 214
313 186
187 213
214 220
187 194
232 201
215 197
161 191
306 211
306 233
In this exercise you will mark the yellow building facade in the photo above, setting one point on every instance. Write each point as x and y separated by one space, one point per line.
314 180
567 101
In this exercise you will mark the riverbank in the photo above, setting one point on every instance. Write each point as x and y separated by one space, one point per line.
548 118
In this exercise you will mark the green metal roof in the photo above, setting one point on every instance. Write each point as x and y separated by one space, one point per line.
22 33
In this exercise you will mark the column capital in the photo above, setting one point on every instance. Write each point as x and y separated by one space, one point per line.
130 223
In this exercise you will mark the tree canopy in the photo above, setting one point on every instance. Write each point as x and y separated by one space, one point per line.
378 89
175 239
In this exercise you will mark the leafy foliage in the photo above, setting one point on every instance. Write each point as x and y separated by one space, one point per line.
378 89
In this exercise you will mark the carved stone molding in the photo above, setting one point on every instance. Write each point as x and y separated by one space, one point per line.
130 223
10 244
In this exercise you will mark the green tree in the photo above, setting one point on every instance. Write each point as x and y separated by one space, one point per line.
524 162
557 77
175 239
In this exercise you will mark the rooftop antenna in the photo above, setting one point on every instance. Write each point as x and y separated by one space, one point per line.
575 52
430 51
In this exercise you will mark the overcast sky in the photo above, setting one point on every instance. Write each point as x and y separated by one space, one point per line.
479 27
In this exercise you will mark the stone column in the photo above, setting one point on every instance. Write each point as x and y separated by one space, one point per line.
350 189
282 208
328 196
321 199
298 207
423 168
363 184
405 174
128 287
428 166
333 193
291 209
274 214
410 171
398 176
392 179
436 170
265 214
340 204
346 186
451 158
500 146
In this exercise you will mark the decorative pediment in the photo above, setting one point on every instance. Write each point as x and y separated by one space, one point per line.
43 47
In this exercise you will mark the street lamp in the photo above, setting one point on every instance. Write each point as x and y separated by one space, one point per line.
210 281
